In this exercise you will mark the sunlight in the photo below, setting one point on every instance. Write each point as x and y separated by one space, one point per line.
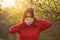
13 6
6 3
12 3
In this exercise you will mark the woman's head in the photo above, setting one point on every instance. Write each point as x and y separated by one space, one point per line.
28 15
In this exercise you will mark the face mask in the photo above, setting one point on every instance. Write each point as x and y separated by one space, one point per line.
28 21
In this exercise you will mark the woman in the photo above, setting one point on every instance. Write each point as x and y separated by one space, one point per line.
31 27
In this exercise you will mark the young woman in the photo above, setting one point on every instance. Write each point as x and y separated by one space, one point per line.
31 27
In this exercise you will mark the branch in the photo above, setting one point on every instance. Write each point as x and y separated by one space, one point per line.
55 5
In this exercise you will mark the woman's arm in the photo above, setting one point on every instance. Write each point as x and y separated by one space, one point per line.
15 28
44 24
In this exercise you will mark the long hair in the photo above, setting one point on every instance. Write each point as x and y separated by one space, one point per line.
31 11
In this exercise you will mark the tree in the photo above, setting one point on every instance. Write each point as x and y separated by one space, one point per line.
50 8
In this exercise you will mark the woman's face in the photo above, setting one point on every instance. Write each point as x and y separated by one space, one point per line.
29 16
29 19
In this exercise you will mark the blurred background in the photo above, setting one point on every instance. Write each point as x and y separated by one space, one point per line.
11 12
